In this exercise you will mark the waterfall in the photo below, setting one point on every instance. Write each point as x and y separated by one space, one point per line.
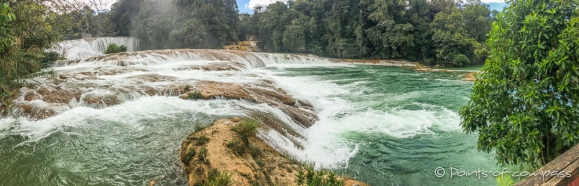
90 79
90 47
156 57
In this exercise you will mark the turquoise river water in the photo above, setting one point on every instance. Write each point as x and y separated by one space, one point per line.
381 125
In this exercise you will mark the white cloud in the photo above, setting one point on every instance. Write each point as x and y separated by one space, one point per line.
98 4
493 1
253 3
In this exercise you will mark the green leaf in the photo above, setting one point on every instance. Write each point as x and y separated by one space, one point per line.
541 46
4 8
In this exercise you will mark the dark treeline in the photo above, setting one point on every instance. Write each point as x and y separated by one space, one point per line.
433 32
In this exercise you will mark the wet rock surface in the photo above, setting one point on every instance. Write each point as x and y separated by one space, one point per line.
302 114
109 80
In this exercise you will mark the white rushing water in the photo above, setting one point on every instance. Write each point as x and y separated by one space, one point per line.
114 87
119 83
326 145
90 47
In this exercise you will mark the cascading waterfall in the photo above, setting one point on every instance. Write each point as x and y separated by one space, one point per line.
90 79
118 118
157 57
89 47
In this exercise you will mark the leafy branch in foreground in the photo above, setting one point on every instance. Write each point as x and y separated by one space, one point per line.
524 102
24 34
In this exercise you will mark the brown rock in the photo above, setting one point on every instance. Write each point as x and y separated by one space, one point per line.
280 99
26 108
155 78
469 76
59 96
236 119
109 100
270 168
45 90
354 183
31 96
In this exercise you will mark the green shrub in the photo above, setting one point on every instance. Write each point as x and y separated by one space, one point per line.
123 48
187 88
49 59
114 48
218 178
202 154
460 60
194 95
190 154
247 128
505 180
198 127
318 178
202 140
260 163
255 151
236 147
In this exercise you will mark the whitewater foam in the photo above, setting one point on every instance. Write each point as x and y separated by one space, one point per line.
326 143
123 77
90 47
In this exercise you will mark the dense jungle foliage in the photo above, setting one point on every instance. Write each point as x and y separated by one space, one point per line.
434 32
24 32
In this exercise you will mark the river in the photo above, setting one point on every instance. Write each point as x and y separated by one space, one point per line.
379 124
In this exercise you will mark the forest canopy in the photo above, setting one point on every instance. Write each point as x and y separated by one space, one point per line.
433 32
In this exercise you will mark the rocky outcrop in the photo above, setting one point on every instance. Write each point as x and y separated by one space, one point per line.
254 163
428 69
300 112
469 76
391 62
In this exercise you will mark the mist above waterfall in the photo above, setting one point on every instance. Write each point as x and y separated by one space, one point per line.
177 23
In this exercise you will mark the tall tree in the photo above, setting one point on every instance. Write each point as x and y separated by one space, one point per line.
24 35
524 103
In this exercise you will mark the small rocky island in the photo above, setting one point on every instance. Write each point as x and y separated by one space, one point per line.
228 152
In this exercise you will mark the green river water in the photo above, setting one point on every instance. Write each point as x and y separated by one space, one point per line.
381 125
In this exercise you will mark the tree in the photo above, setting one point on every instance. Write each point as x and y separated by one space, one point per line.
524 102
24 34
477 19
416 30
6 16
451 38
121 16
